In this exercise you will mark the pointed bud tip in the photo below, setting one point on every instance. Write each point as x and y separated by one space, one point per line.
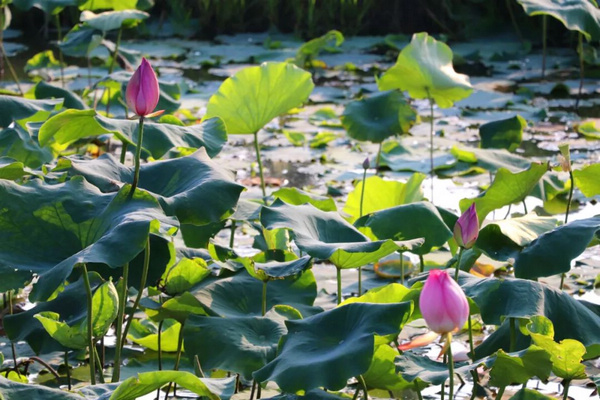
366 164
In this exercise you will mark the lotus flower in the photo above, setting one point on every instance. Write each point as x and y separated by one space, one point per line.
142 90
443 303
466 229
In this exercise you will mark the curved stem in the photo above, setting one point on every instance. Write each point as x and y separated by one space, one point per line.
450 365
46 365
68 369
11 69
99 364
514 21
572 179
581 71
136 303
177 359
544 40
60 53
120 316
363 384
138 155
260 166
431 143
362 198
264 298
339 285
90 333
460 252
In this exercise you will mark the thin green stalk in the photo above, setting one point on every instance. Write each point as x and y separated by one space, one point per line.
68 369
138 155
572 179
197 367
562 280
513 335
177 359
111 67
90 333
472 356
514 21
136 303
422 263
362 197
419 394
339 285
431 143
363 385
460 252
356 392
378 159
450 365
253 390
264 298
500 392
11 69
566 390
260 166
12 344
581 71
60 53
232 237
160 325
124 152
119 331
544 41
99 364
402 267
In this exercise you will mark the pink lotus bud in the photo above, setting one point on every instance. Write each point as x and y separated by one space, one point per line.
443 303
466 229
142 90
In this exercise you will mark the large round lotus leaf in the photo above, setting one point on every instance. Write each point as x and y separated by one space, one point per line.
503 134
108 5
250 99
111 20
16 390
424 69
72 125
378 117
423 369
380 194
44 90
194 188
73 223
240 294
80 41
327 236
506 189
17 108
552 252
148 382
491 159
69 307
576 15
510 369
329 348
401 156
279 270
239 344
500 299
295 196
18 144
504 239
382 372
399 223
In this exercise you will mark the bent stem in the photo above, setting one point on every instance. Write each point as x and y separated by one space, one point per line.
138 155
120 316
460 252
363 385
90 333
450 365
362 197
260 166
422 263
138 298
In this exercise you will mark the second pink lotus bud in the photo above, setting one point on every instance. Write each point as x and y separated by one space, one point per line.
466 229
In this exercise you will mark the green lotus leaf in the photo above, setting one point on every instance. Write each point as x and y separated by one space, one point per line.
18 144
504 239
112 20
588 180
398 223
576 15
251 98
491 159
424 69
239 344
44 90
506 189
530 394
240 294
400 156
68 305
503 134
327 236
67 336
80 41
426 371
382 372
11 169
71 125
51 7
278 270
330 42
296 197
552 252
194 188
15 390
381 194
73 223
183 275
315 394
147 382
17 109
511 369
108 5
178 308
144 336
378 117
329 348
521 298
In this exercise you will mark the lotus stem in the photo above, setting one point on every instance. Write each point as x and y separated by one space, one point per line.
514 21
138 155
46 365
362 197
581 71
378 159
136 303
544 41
566 390
402 267
471 345
111 67
177 359
68 369
12 344
264 298
99 364
422 263
232 237
513 335
11 69
118 334
460 253
500 392
450 365
123 152
60 53
572 179
198 367
260 166
160 325
90 327
339 285
363 385
431 142
253 390
419 394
